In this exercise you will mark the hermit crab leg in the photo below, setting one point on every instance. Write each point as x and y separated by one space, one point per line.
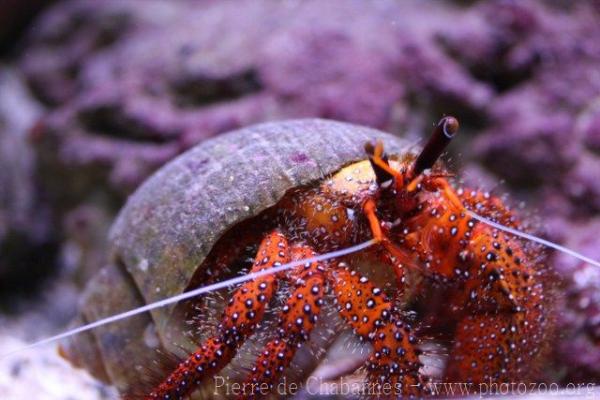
296 320
502 325
245 309
505 319
393 367
499 346
397 256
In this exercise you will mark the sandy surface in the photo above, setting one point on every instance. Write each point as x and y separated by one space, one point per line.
42 374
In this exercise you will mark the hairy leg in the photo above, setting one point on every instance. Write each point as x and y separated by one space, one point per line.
296 321
393 367
506 314
245 309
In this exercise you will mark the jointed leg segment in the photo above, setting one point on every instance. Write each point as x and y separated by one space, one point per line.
393 368
245 309
296 321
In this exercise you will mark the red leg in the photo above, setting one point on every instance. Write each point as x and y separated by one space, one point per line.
398 266
393 367
245 309
395 256
296 321
494 348
502 331
488 206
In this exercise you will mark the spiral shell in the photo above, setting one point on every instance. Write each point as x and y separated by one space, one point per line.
169 225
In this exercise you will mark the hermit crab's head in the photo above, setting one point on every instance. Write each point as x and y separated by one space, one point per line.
401 181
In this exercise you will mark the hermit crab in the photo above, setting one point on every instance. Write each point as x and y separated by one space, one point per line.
267 195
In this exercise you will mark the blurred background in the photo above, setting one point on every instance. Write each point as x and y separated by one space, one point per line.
96 95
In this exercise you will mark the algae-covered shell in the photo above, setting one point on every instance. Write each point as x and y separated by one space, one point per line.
170 224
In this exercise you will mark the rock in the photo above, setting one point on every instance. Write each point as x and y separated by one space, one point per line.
27 242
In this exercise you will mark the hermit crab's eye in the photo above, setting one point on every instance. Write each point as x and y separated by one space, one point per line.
441 136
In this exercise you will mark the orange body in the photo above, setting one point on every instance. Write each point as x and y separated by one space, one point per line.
495 299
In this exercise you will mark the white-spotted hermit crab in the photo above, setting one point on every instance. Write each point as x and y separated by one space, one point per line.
291 190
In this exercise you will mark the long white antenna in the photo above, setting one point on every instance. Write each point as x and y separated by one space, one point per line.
194 293
535 239
254 275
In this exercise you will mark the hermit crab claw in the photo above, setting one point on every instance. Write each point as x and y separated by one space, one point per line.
441 136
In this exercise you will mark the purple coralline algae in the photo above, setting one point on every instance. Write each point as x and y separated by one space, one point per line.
117 90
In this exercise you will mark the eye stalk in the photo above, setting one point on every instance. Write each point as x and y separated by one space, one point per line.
441 136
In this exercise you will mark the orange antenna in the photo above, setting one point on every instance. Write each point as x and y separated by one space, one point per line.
379 162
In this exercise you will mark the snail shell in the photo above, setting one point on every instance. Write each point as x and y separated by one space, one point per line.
169 225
